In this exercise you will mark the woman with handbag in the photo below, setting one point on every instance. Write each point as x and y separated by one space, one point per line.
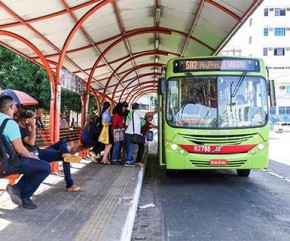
108 140
118 133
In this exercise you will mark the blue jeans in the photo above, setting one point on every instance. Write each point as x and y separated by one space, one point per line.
129 149
140 153
116 151
54 153
34 172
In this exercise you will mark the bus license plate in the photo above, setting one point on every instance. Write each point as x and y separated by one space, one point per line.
218 162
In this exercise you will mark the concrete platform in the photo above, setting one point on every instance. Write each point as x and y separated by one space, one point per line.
104 212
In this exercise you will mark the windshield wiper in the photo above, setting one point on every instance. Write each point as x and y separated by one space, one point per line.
233 94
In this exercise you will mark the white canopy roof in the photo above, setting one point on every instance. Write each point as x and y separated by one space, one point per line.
118 47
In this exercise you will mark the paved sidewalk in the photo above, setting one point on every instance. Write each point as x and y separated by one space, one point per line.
104 212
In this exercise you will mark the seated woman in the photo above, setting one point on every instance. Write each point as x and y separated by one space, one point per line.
56 152
90 136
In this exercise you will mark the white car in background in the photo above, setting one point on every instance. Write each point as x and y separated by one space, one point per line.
280 127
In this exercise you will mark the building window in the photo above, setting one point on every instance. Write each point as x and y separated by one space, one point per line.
282 109
279 31
280 11
266 31
265 51
273 110
265 11
288 110
279 51
250 21
250 39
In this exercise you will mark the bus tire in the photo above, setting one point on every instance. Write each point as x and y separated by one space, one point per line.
243 172
171 173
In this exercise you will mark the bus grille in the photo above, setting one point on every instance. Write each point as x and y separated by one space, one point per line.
231 164
218 139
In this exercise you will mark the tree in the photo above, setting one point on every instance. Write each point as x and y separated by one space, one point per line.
20 74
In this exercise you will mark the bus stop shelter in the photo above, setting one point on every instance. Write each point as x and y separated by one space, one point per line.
115 49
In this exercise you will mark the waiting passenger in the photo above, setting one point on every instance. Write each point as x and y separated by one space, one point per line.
107 120
33 169
125 110
90 137
144 129
135 117
56 152
118 133
63 124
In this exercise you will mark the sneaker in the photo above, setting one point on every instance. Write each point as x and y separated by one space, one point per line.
115 162
129 164
121 161
15 194
73 159
140 164
27 203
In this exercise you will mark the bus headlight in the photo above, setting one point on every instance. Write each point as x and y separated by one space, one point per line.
261 146
174 147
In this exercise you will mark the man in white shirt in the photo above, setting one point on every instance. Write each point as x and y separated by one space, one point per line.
137 114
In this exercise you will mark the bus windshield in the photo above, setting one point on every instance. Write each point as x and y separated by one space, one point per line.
216 101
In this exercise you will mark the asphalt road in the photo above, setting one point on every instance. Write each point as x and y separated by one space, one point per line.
218 205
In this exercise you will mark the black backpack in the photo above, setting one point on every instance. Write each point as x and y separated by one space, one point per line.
9 160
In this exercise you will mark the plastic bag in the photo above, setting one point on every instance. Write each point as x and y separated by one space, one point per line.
104 136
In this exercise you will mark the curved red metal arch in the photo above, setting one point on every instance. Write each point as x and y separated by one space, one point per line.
133 31
117 42
132 70
142 94
72 33
227 11
48 16
134 79
48 70
151 52
35 50
144 87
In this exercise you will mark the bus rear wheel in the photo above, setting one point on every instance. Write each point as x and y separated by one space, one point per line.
243 172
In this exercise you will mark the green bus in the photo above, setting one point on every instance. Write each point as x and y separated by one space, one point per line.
216 112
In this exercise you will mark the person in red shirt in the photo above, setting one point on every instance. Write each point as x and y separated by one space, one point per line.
148 125
144 129
118 133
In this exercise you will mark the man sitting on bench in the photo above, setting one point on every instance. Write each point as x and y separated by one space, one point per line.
56 152
34 170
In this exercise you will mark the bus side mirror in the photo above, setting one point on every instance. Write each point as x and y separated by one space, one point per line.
272 93
149 136
161 86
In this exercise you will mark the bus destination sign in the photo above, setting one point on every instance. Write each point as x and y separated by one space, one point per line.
190 65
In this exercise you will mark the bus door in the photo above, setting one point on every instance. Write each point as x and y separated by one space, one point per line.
161 92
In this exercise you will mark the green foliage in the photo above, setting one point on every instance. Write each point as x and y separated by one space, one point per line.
20 74
70 101
93 106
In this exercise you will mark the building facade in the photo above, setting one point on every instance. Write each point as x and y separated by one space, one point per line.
266 34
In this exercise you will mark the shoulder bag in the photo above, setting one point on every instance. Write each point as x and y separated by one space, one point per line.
136 138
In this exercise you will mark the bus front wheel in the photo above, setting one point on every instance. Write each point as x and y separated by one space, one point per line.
243 172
